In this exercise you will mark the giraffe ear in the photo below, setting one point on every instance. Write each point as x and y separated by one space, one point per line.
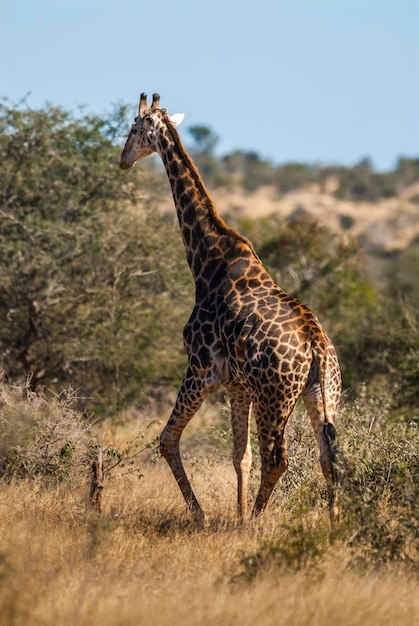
177 118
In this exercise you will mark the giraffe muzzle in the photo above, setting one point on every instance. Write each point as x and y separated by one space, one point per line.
125 163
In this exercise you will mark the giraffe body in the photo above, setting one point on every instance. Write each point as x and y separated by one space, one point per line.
264 346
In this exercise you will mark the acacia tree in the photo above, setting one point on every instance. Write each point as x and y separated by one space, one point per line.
81 290
55 173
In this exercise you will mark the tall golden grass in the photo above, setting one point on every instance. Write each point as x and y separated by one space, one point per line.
142 561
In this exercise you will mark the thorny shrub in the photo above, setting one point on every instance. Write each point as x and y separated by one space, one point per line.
39 437
49 439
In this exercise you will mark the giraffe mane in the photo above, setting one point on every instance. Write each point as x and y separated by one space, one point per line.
217 219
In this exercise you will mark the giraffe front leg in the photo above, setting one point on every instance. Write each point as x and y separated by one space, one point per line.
242 452
190 397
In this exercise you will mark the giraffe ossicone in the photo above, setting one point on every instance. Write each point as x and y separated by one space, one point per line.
265 347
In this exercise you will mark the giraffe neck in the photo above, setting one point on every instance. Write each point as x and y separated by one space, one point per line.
204 232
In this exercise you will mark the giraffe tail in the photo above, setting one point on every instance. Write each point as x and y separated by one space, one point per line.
329 429
329 432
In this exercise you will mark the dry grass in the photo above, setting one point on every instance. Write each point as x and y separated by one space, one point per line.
143 562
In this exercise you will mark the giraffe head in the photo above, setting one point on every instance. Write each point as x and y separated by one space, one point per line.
146 131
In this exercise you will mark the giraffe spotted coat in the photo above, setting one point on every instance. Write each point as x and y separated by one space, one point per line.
265 347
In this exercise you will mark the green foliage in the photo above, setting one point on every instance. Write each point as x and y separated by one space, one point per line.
85 296
381 478
385 353
316 265
56 167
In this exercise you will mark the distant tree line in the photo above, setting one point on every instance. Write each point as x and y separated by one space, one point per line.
249 170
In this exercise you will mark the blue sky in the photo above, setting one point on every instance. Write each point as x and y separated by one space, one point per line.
304 80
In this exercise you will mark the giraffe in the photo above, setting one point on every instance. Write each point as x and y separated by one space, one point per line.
245 333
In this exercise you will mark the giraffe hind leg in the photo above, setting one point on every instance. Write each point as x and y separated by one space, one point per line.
271 422
274 460
242 451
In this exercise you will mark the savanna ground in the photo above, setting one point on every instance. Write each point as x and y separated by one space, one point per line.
141 560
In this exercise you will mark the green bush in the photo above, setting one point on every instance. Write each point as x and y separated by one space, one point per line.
381 479
89 272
